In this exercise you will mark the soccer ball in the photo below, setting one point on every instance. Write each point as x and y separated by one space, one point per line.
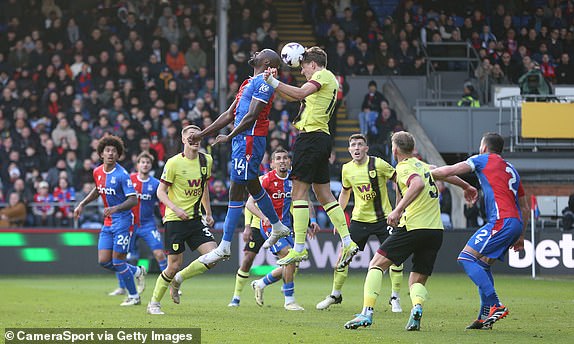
292 54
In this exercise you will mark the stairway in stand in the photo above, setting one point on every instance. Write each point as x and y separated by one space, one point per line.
291 28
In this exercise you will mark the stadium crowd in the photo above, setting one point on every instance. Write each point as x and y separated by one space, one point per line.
73 72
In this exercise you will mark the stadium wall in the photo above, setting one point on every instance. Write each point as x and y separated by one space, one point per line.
56 252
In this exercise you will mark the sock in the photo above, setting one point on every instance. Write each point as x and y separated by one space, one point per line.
288 290
108 265
162 264
126 275
337 217
225 245
267 280
475 269
234 210
484 308
241 280
135 270
396 275
121 283
264 203
419 294
300 223
339 278
372 289
193 269
161 285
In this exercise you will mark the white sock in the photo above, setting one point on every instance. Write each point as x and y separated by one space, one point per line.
237 297
225 245
178 278
261 284
289 299
395 294
135 296
336 293
277 226
299 247
138 272
368 311
346 240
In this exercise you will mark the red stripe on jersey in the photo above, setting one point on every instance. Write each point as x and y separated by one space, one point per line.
100 180
138 186
315 83
408 183
248 147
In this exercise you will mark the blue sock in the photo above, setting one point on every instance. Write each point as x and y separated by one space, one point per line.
269 279
474 268
107 265
234 210
126 275
288 289
120 280
264 203
162 264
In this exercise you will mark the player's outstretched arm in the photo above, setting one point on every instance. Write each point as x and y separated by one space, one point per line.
441 173
255 107
415 187
293 92
89 198
224 119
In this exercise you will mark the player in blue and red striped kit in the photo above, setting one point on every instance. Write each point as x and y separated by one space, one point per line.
144 221
279 187
113 183
506 211
249 114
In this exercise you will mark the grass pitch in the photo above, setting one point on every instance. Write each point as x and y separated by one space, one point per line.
540 310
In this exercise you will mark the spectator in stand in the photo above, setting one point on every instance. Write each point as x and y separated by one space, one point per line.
372 100
469 96
64 194
14 214
565 70
64 133
175 59
547 68
43 209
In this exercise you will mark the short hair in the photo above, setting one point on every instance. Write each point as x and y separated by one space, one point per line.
113 141
277 151
188 127
404 141
315 54
144 155
494 142
358 137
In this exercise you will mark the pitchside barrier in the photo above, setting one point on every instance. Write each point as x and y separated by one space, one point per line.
57 251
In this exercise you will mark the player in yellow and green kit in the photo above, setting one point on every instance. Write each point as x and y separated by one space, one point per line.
311 152
419 232
366 178
183 191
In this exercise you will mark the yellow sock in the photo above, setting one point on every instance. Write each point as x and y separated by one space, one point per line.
300 220
372 289
419 294
339 278
396 275
241 280
337 217
193 269
161 285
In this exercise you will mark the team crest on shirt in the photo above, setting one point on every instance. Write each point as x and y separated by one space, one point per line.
372 174
175 247
113 181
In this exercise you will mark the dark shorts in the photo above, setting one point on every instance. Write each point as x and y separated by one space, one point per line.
178 233
311 158
257 240
361 231
423 244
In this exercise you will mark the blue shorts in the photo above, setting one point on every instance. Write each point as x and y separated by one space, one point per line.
150 234
494 239
246 155
115 237
286 242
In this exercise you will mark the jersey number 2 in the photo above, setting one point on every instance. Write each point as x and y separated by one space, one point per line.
512 179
